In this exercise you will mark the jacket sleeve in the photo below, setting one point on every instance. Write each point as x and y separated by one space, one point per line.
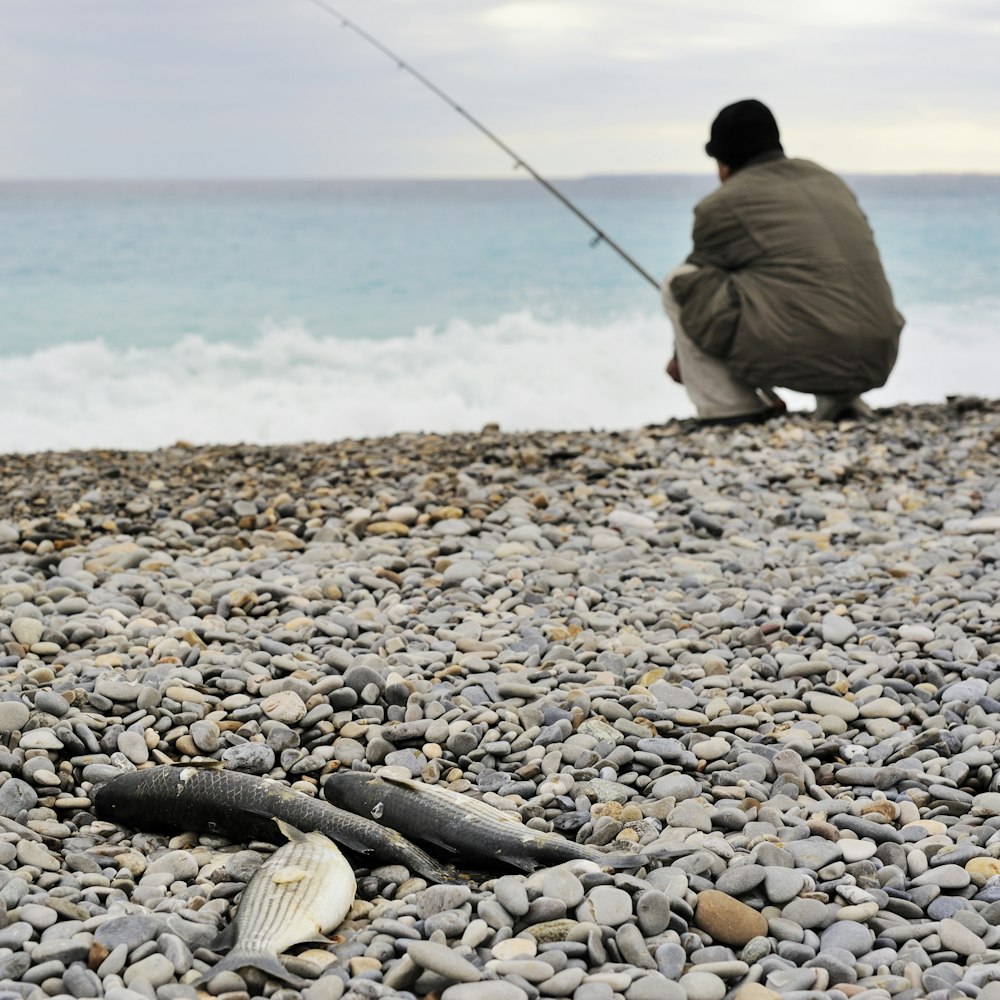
709 297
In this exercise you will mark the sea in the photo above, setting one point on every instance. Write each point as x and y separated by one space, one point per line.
136 314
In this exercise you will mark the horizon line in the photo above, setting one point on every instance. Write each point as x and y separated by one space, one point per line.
485 178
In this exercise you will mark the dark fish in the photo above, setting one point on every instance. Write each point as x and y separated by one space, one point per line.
245 807
298 894
462 824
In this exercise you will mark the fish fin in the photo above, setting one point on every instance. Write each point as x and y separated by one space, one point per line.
261 961
669 853
448 876
441 844
387 774
498 815
191 768
290 832
288 875
226 938
282 827
503 816
314 939
392 779
523 863
624 862
341 837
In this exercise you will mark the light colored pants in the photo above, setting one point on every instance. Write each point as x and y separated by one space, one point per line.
714 391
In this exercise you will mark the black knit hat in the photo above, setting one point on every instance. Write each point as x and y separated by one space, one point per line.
742 131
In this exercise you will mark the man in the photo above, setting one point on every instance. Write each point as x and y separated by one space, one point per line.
784 286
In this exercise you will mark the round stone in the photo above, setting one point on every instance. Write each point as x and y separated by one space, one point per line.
488 989
837 629
849 936
714 748
981 869
130 931
956 937
702 986
882 708
253 758
741 879
830 704
27 631
652 910
856 850
444 961
606 906
916 633
13 716
560 883
182 865
727 920
514 948
15 797
284 706
40 739
133 745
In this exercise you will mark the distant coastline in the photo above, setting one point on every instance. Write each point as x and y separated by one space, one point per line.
510 181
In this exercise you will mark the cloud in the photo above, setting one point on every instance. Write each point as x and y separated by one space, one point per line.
263 87
543 21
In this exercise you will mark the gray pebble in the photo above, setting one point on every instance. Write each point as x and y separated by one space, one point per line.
13 715
16 796
253 758
702 986
849 936
606 906
652 909
444 961
486 990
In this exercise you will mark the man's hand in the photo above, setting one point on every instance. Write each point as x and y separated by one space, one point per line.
674 370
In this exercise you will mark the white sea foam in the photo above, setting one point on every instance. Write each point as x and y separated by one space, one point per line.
287 384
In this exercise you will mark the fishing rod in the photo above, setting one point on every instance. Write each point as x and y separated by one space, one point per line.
599 235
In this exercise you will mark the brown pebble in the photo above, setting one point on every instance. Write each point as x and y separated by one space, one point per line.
728 920
388 528
880 812
755 991
553 930
97 954
821 828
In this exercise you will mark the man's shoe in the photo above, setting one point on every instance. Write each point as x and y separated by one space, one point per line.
776 406
843 407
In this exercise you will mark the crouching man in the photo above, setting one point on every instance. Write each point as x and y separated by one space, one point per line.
784 286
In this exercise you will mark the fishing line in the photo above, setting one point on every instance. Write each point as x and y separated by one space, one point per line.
599 235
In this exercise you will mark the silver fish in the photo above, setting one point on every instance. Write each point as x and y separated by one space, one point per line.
299 893
244 806
464 825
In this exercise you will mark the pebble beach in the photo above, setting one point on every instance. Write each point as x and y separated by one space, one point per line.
772 651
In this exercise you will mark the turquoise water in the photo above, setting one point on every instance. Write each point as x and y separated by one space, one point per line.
135 313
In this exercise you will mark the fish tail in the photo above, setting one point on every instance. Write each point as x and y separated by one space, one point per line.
259 960
659 855
438 873
666 854
291 833
624 862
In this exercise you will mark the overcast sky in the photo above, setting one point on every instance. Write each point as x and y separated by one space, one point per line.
276 88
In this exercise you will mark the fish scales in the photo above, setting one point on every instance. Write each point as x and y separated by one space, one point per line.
300 892
244 807
460 822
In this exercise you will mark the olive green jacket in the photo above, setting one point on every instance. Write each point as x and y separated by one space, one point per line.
789 288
